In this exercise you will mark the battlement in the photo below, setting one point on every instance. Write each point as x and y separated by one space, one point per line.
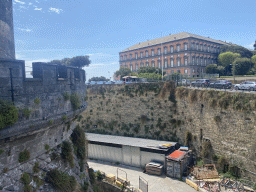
43 95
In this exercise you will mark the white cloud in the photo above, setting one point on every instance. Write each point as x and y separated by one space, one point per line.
38 9
26 30
250 46
58 11
30 3
21 2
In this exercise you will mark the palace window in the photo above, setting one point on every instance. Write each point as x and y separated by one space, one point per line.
159 64
185 71
201 61
125 57
121 58
193 60
197 60
131 67
185 46
146 53
165 50
193 46
172 62
130 56
201 47
141 64
178 62
186 61
197 46
159 51
136 55
152 63
152 52
178 48
136 66
147 64
165 63
205 61
171 49
208 48
141 54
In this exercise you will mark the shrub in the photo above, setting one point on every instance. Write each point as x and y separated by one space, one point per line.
38 181
206 148
217 119
143 119
64 117
91 175
66 153
25 178
8 114
61 181
50 122
75 101
188 138
5 170
27 188
1 151
36 167
37 100
26 112
99 175
46 147
24 156
85 186
78 139
66 96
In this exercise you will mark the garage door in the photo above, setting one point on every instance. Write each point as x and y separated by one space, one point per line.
106 153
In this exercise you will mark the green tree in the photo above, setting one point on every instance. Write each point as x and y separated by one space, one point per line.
123 72
150 76
101 78
150 69
227 58
243 66
78 61
212 69
253 59
236 49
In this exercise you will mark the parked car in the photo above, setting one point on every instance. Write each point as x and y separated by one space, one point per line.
222 84
247 85
186 82
201 83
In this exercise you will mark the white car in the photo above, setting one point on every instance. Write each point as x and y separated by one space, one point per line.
247 85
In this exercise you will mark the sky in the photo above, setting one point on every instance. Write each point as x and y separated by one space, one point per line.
45 30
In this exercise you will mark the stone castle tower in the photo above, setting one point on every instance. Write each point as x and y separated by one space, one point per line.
7 47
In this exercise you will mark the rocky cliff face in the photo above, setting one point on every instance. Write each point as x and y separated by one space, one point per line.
26 161
212 123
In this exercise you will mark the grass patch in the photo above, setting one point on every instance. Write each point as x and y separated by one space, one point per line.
46 147
64 117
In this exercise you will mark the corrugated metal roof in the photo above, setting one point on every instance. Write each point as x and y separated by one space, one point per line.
129 141
169 38
176 155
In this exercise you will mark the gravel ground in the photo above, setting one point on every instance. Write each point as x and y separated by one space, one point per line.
155 183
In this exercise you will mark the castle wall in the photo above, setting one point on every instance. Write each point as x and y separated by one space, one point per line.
7 47
41 95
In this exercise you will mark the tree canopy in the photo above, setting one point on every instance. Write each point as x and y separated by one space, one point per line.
123 72
78 61
212 69
150 76
236 49
227 58
101 78
242 66
253 59
150 69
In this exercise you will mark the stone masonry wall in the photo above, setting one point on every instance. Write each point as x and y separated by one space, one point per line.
156 111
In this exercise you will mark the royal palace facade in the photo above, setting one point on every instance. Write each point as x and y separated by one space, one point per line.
185 53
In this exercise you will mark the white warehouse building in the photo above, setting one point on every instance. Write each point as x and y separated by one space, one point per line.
131 151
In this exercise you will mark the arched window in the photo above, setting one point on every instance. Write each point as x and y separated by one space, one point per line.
131 67
125 57
185 71
178 61
185 61
185 46
141 64
197 46
152 52
178 48
159 63
201 61
147 64
130 56
121 58
197 60
171 61
152 63
136 55
165 63
159 51
141 54
136 66
193 60
165 50
146 53
171 49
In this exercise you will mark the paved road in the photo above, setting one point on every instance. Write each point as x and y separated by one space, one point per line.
156 183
